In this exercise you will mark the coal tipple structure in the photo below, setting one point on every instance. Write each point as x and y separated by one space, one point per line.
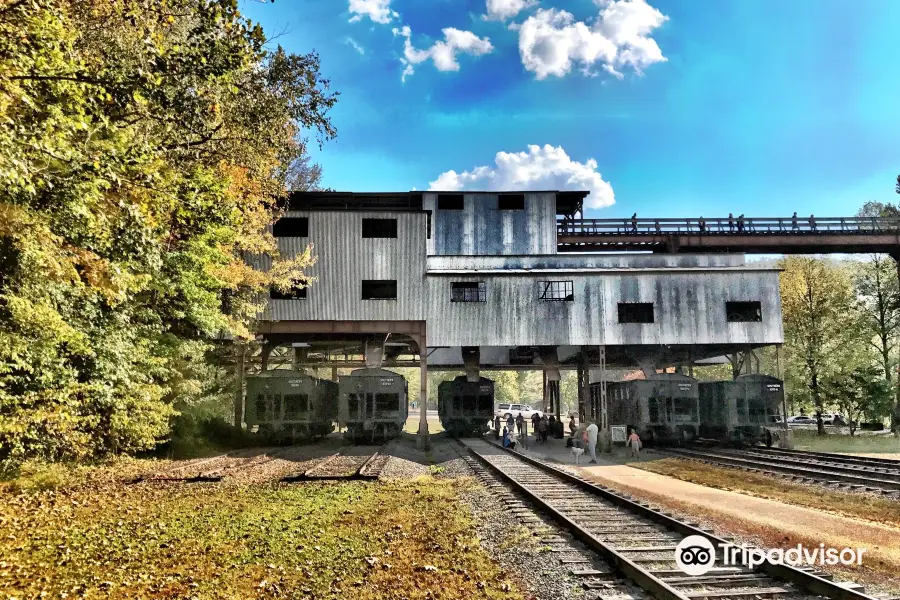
477 280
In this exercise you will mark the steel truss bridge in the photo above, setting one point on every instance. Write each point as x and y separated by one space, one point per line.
757 235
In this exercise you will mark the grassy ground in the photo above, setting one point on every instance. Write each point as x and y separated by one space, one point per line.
880 510
858 444
100 538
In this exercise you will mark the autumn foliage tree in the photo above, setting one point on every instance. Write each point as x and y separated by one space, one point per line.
143 147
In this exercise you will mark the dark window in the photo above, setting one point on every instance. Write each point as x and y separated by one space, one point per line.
387 402
379 228
558 291
291 227
379 289
468 291
294 293
428 223
450 202
295 405
511 202
635 312
741 312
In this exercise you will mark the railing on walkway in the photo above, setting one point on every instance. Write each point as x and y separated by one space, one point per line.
730 226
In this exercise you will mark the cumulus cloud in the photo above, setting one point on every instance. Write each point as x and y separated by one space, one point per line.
500 10
551 40
443 52
377 10
540 168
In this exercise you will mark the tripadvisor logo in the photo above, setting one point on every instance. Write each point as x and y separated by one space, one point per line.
696 555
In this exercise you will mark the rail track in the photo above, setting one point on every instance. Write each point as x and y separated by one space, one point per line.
639 541
857 473
348 464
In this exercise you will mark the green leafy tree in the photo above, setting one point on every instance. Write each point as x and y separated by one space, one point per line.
859 392
143 148
821 328
878 303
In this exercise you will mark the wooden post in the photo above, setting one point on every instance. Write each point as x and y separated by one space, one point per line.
334 374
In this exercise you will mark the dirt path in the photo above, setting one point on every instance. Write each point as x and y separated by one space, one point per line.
838 530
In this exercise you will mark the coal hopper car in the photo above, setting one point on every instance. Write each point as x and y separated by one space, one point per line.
663 410
374 404
465 407
287 406
741 411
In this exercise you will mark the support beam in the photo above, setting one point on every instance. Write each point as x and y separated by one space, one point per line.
240 355
424 441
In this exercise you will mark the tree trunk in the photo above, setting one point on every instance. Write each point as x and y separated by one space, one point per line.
817 399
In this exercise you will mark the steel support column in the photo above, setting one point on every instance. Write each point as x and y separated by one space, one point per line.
604 415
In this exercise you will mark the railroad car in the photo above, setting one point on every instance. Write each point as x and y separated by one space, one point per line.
465 407
374 404
740 411
663 410
290 406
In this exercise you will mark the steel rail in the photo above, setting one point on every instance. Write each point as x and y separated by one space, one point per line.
868 480
887 473
621 563
808 581
845 458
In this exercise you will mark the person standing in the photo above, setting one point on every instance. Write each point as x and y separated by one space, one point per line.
731 222
702 225
634 444
509 422
542 429
496 426
592 431
535 419
505 437
794 226
634 223
812 222
572 426
520 424
740 223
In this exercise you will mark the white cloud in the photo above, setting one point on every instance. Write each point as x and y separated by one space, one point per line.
443 52
551 40
355 45
540 168
500 10
377 10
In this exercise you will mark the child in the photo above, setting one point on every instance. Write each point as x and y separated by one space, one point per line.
513 438
634 443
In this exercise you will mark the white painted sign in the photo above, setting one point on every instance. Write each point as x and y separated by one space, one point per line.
617 433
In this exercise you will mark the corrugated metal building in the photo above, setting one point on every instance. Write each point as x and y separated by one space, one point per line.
482 270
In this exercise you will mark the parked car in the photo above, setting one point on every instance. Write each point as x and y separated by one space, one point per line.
505 410
833 419
801 420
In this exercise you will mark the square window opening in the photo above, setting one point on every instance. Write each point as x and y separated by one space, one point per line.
379 228
743 312
450 202
468 291
511 202
294 293
635 312
379 289
556 291
291 227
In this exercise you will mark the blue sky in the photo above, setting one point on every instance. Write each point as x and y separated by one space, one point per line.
685 107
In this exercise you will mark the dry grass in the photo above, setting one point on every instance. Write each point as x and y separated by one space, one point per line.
97 537
859 506
880 570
